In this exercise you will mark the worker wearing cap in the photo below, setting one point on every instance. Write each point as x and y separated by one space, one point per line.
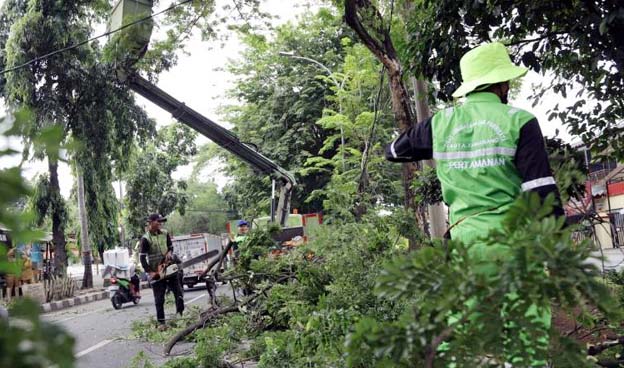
243 231
487 153
240 237
157 248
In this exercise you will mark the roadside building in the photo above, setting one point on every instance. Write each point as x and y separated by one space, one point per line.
602 208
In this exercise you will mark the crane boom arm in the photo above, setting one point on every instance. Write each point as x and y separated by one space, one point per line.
220 136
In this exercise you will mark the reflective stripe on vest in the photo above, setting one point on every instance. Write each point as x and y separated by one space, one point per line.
474 146
536 183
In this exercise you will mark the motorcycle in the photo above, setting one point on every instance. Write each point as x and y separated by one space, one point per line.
122 292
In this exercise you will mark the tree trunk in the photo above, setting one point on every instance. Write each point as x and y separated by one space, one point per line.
437 218
381 46
87 279
58 221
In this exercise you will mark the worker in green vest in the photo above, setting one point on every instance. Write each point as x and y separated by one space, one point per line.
156 251
487 153
239 238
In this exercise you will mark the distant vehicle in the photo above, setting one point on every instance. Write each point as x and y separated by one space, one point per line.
191 246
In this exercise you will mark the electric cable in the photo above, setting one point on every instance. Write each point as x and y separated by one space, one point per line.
108 33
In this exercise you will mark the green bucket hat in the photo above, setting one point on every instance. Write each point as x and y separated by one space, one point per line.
486 64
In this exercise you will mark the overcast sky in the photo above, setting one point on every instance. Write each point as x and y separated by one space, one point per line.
198 81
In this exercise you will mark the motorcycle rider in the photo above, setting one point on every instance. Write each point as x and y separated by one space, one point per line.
156 249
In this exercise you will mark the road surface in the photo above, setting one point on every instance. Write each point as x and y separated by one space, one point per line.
103 334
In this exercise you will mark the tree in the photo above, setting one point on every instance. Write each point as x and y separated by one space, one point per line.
360 122
375 32
280 100
50 204
577 43
150 187
73 91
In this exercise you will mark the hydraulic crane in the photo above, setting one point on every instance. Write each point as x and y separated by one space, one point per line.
136 39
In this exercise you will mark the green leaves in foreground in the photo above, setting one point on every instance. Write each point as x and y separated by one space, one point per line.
25 340
487 299
28 342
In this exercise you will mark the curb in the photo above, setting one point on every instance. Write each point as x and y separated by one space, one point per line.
79 300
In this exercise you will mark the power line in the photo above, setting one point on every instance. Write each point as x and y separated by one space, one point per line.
71 47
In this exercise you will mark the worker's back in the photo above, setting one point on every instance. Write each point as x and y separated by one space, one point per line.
474 146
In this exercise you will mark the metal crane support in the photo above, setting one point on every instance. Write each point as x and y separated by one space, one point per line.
135 41
220 136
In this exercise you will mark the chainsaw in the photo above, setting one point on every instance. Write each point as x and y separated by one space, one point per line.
169 266
166 268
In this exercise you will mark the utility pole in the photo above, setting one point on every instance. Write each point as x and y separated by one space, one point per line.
87 279
437 218
122 230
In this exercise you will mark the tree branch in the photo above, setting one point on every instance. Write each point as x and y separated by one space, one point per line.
529 40
207 316
593 350
354 21
432 349
611 363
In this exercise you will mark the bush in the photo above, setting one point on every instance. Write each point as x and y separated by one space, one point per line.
454 299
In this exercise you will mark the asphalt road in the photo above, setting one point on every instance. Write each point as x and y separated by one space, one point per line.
103 334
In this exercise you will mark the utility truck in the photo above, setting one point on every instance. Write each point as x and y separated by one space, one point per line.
202 247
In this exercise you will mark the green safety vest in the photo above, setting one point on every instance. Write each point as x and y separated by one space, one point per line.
239 238
158 248
474 146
